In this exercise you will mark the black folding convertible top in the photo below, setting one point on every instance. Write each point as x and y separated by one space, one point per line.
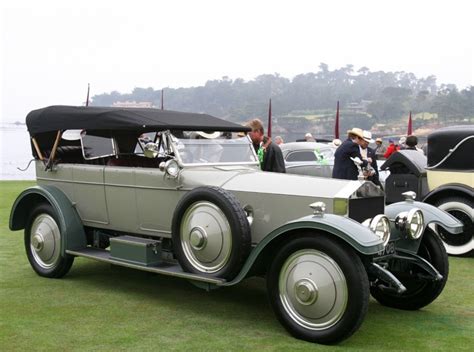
443 140
58 117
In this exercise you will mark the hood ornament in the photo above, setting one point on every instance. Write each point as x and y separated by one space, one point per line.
319 208
409 196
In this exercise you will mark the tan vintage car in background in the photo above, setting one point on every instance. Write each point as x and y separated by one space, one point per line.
444 178
182 194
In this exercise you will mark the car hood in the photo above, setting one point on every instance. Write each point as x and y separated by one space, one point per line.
244 179
292 185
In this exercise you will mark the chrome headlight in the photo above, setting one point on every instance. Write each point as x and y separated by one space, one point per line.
415 223
380 225
411 223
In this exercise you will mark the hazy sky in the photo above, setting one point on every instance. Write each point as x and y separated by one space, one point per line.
50 50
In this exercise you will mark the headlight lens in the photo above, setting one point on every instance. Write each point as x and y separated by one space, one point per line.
380 225
415 223
411 223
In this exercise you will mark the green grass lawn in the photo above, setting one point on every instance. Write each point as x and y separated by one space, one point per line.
104 308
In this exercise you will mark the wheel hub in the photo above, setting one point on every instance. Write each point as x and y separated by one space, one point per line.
37 242
198 238
306 292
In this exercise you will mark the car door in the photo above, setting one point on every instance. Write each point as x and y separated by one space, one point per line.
140 197
156 197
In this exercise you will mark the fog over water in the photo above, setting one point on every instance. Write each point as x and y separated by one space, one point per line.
15 152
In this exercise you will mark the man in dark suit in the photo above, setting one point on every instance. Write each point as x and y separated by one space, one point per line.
344 167
269 154
371 171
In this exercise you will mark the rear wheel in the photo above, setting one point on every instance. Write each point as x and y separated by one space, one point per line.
421 289
318 289
43 243
462 209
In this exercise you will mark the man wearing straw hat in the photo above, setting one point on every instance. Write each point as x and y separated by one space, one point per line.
344 167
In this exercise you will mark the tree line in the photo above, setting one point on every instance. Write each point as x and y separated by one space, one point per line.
387 95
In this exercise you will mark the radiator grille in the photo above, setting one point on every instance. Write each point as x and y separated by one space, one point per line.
364 208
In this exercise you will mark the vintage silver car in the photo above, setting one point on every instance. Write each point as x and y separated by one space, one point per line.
309 158
182 194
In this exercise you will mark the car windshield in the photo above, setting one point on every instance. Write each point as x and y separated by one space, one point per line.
318 155
200 150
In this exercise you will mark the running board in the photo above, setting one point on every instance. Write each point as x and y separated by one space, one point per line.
161 268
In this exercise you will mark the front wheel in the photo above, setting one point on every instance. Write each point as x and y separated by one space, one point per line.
43 243
318 289
421 289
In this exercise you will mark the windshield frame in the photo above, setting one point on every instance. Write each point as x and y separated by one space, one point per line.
173 143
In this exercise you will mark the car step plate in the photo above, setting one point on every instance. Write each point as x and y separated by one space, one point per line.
161 268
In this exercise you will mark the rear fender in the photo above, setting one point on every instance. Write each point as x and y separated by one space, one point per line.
70 223
448 190
359 237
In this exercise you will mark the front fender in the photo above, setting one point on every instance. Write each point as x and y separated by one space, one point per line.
361 238
430 213
70 223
